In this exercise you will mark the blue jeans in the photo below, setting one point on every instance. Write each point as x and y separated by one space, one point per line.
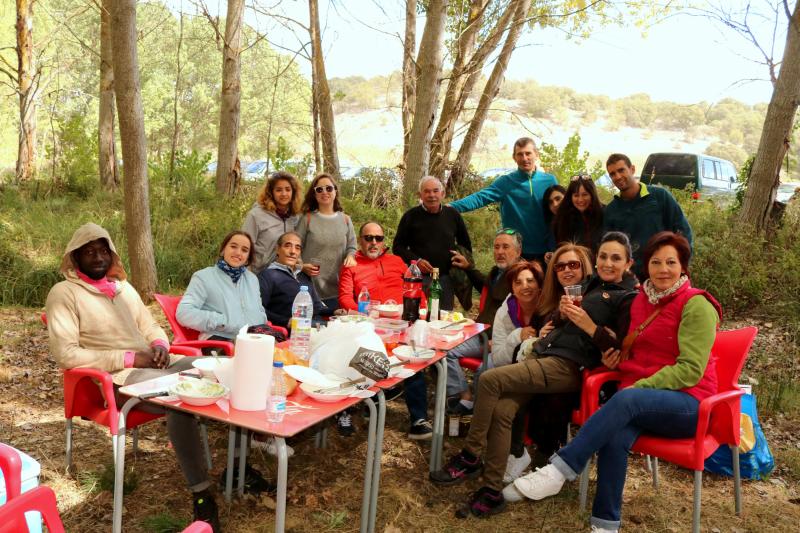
415 393
456 381
612 431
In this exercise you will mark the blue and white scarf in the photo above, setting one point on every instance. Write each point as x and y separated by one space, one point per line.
234 272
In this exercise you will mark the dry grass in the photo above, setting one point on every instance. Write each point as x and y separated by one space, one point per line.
325 485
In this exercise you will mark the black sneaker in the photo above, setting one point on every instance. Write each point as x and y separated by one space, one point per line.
421 430
254 482
344 424
460 467
458 409
482 503
205 509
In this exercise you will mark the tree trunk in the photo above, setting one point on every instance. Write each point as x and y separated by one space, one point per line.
463 81
429 65
26 88
176 93
776 132
490 91
109 179
228 166
443 134
134 151
327 127
315 120
409 75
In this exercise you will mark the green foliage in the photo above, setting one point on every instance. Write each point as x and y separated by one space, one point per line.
569 161
189 171
282 154
78 165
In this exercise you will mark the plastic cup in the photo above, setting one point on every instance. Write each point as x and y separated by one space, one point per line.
575 293
372 309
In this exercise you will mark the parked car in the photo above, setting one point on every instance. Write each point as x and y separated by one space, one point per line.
256 171
787 190
706 174
211 168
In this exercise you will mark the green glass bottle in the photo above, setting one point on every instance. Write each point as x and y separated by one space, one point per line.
435 294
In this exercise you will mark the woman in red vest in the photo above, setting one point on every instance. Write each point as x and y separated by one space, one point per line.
670 369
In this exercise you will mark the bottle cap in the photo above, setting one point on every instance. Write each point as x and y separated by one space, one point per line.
304 288
277 364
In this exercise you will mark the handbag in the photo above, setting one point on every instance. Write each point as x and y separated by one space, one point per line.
627 342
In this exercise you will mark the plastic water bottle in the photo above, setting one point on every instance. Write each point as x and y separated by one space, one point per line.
302 311
363 301
276 403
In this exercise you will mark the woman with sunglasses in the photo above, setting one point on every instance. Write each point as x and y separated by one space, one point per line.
547 365
329 240
276 211
579 218
668 371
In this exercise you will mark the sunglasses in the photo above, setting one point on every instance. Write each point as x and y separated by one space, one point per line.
326 188
572 265
506 231
373 238
577 177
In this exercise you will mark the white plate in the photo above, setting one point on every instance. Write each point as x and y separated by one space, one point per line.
207 365
304 374
329 397
198 391
443 326
405 353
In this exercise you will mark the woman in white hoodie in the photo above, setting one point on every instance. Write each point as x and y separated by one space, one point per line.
276 212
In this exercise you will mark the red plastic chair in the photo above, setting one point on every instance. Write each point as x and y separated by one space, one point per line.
11 467
89 393
182 335
717 421
198 527
41 499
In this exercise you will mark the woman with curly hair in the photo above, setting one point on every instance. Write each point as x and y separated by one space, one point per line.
276 211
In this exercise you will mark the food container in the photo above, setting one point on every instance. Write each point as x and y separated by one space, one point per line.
390 310
391 331
198 392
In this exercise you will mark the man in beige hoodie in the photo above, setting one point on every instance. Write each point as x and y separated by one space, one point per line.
96 319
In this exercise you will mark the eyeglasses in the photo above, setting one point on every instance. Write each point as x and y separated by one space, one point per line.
326 188
506 231
572 265
373 238
577 177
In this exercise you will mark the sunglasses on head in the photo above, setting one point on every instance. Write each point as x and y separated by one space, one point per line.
572 265
373 238
324 188
506 231
577 177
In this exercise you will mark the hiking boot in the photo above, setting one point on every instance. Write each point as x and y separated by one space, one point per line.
421 430
482 503
598 529
205 509
254 482
460 467
516 466
344 424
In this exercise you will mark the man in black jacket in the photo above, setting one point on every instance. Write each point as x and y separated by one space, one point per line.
494 289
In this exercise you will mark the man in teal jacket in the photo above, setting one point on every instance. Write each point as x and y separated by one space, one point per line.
520 196
640 210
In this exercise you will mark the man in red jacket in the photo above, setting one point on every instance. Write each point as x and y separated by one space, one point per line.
382 274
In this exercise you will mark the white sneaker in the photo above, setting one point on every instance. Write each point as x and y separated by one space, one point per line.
270 447
544 482
512 494
597 529
516 466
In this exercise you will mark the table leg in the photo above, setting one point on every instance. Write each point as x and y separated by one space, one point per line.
280 503
242 461
438 415
376 467
369 465
232 434
119 465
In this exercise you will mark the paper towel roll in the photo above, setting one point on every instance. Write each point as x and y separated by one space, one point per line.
252 371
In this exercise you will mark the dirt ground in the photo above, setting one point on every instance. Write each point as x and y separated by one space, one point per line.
325 485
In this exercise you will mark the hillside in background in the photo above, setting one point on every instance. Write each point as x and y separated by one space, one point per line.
370 132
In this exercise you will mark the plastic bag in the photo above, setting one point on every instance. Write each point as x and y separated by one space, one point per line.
333 348
755 459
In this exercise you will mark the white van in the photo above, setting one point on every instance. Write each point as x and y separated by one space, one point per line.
708 175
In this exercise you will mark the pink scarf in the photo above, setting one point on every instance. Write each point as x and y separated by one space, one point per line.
105 285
